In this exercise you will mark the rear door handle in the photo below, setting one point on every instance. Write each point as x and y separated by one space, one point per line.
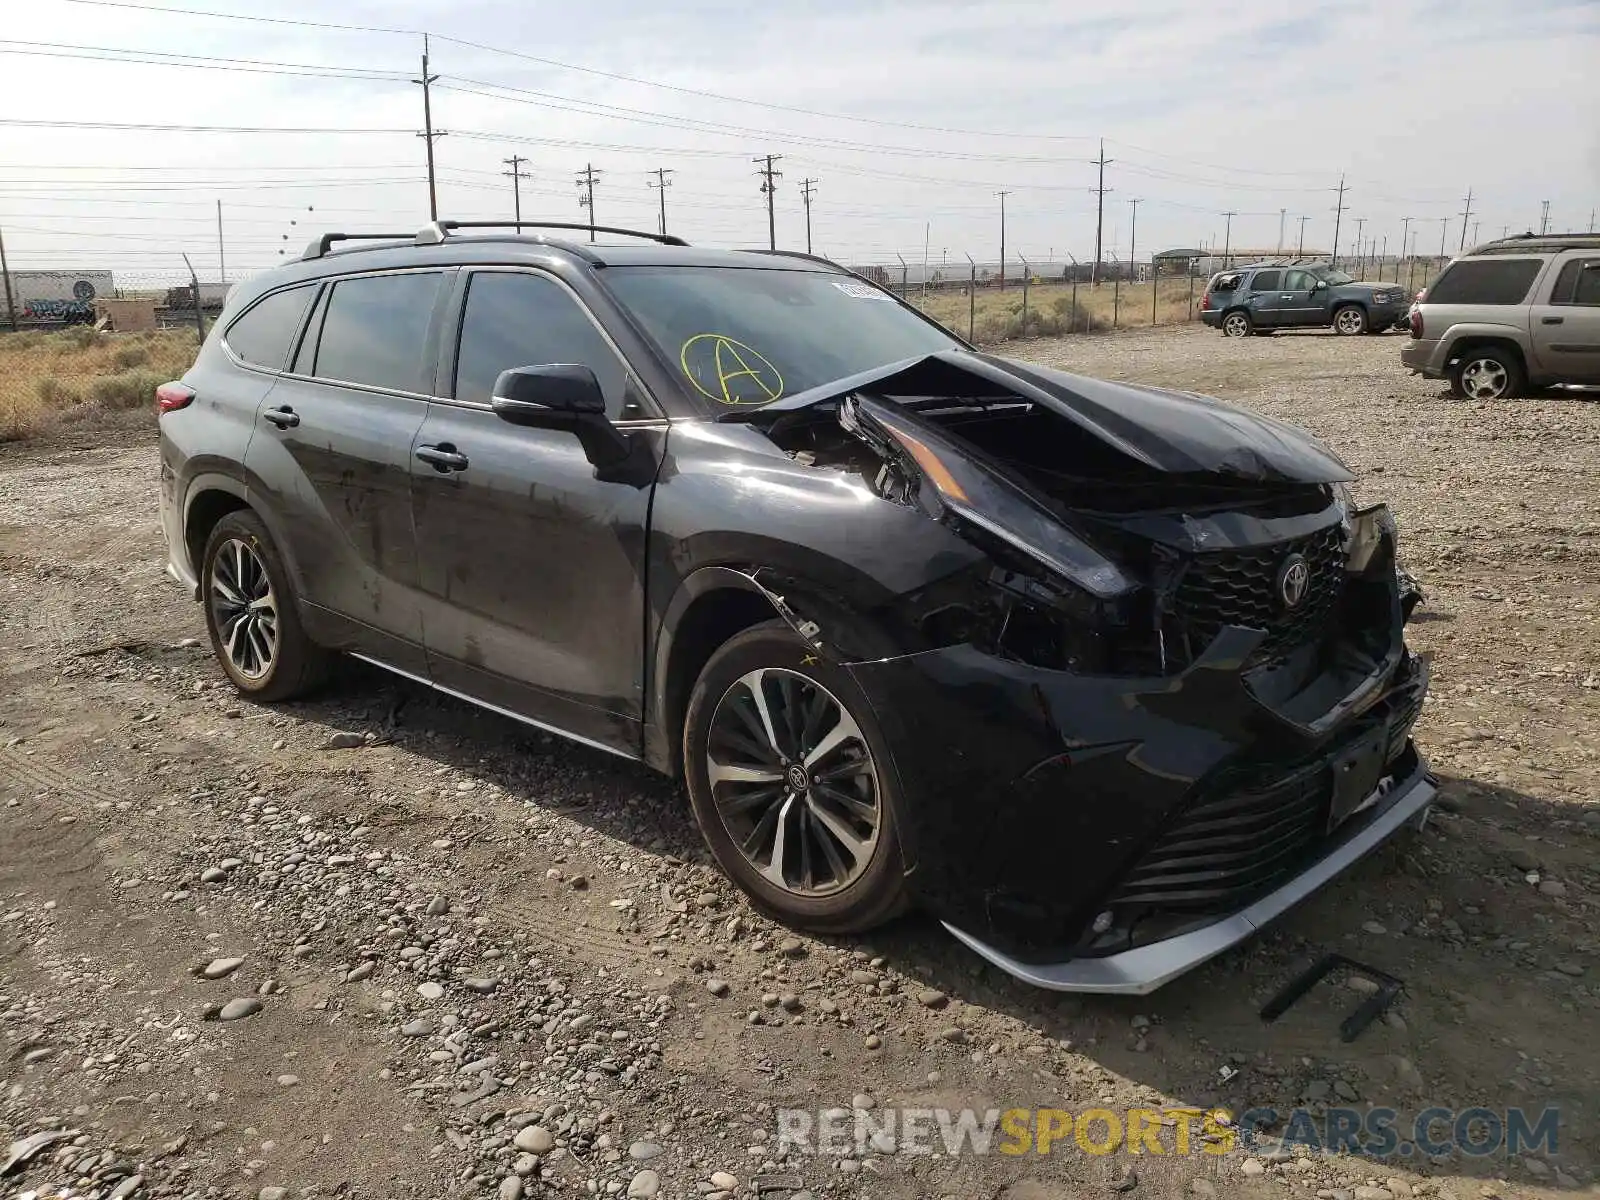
283 418
1551 320
444 457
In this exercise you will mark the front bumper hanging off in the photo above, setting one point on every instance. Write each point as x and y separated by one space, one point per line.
1144 969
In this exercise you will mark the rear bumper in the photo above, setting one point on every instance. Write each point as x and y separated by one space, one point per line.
1423 358
1211 317
1144 969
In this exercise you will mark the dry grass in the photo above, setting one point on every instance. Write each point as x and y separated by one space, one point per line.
75 375
999 315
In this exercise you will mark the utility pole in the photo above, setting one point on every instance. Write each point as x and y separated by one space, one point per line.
1227 237
808 188
1282 213
1338 216
1405 232
1133 239
1300 252
1003 196
1466 215
661 184
5 274
1361 254
515 163
1591 220
586 181
1444 226
1544 218
769 185
427 81
222 256
1099 212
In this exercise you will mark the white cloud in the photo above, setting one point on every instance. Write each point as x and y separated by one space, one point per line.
1257 109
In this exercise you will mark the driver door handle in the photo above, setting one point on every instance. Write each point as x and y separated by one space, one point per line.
444 457
1551 320
283 417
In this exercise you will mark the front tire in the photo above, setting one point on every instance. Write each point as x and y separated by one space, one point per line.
1350 320
1237 324
791 784
1489 373
252 616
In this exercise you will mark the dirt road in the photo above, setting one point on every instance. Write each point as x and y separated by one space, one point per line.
478 960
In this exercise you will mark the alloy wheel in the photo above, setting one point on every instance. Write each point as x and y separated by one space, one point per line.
1236 325
794 782
244 608
1484 379
1349 321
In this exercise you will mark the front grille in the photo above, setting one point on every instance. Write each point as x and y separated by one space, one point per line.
1228 587
1258 829
1223 852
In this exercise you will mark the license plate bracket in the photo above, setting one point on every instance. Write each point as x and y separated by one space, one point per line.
1357 773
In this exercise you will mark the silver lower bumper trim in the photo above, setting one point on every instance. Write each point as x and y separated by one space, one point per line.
1141 971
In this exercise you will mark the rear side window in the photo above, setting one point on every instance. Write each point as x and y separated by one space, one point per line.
1225 283
1266 281
375 329
263 334
1579 283
1485 281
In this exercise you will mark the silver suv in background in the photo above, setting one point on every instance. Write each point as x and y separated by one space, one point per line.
1515 313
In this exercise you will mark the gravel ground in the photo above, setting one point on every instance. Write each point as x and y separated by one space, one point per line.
382 944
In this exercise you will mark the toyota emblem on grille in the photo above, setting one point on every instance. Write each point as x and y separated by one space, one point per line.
1294 578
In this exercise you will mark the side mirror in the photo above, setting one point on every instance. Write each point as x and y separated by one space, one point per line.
1320 285
566 388
567 397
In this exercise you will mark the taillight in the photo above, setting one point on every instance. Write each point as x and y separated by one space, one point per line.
1416 323
170 397
1205 301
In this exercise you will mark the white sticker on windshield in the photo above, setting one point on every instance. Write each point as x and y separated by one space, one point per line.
859 290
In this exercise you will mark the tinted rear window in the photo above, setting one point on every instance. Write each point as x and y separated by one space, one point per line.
375 330
263 334
1485 281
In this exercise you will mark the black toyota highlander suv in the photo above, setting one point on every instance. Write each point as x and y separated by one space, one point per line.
1103 676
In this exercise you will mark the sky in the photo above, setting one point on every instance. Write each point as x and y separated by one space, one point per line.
910 116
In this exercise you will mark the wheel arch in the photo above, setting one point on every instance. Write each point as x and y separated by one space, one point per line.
715 603
210 498
1469 342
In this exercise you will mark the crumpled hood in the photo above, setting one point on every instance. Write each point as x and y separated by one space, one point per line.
1169 431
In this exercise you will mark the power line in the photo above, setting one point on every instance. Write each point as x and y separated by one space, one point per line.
427 81
1002 196
1099 212
661 183
808 188
769 185
206 62
515 163
1338 216
586 181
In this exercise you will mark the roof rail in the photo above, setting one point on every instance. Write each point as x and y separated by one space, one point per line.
1526 243
320 247
438 231
816 258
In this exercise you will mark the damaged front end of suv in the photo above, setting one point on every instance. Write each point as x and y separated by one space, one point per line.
1167 697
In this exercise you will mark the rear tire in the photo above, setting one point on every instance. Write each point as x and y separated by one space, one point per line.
252 615
1489 373
811 838
1350 320
1237 324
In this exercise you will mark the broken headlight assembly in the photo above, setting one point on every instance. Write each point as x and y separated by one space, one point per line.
1048 598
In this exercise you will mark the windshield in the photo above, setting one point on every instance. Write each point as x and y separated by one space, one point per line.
748 336
1332 277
